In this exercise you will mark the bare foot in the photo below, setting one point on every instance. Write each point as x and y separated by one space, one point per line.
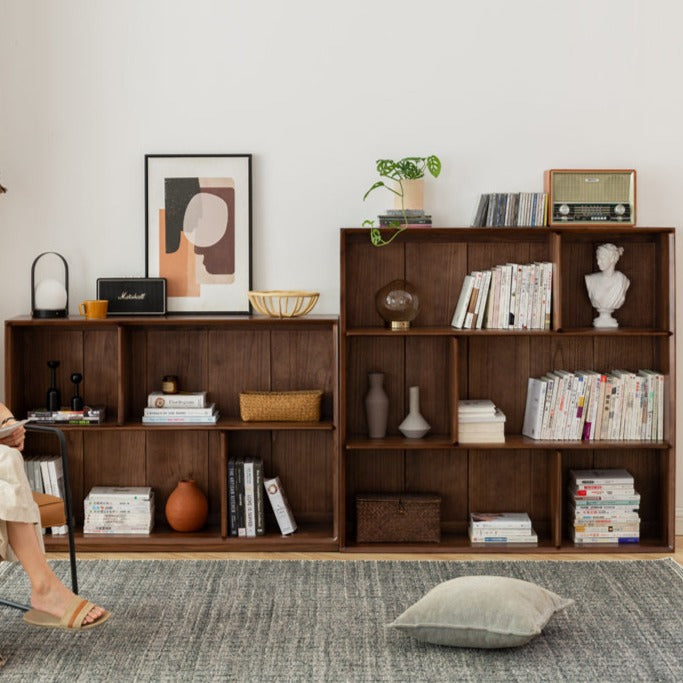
54 597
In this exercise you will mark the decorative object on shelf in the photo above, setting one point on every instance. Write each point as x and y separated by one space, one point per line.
187 507
76 399
198 230
407 183
376 406
398 304
280 406
54 398
93 309
607 289
283 303
50 297
170 384
414 426
133 295
398 518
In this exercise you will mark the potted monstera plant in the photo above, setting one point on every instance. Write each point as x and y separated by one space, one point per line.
405 179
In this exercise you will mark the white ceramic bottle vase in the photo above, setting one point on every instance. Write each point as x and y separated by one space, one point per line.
414 426
376 406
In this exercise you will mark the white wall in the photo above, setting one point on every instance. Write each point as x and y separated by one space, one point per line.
317 91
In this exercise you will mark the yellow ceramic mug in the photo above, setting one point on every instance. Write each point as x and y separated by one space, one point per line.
93 308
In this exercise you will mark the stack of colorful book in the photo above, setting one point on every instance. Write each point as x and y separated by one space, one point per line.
185 407
119 510
501 528
479 421
604 507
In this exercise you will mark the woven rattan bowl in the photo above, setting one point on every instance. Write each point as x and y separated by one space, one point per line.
283 303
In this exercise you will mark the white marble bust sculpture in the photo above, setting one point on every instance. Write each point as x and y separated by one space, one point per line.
607 289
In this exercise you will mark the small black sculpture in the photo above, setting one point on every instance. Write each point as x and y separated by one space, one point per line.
76 400
54 399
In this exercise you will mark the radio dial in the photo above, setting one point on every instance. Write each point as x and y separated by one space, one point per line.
620 209
564 209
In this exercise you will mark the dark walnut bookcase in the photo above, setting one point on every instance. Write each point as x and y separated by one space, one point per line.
450 364
123 359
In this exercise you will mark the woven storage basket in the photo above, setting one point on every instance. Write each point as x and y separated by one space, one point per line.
280 406
398 518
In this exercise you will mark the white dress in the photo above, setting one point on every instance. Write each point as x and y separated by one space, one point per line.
16 501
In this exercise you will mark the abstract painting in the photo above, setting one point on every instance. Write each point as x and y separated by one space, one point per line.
198 230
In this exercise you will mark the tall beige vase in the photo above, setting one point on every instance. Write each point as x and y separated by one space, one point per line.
413 195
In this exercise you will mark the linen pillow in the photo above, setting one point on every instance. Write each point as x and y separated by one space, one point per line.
481 611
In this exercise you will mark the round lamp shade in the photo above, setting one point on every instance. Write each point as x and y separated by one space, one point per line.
50 295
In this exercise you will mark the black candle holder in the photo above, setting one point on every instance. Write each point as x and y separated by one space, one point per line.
54 399
76 399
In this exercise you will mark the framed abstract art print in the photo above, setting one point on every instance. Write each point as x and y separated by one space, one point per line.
198 230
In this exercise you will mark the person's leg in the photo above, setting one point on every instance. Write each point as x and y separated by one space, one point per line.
48 593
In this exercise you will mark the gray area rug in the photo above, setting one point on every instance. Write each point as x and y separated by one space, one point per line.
304 620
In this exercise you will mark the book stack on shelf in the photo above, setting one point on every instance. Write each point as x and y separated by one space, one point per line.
480 421
514 296
408 218
185 407
88 415
589 405
496 528
45 474
511 209
604 507
119 510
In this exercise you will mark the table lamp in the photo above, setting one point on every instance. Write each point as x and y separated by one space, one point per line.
50 297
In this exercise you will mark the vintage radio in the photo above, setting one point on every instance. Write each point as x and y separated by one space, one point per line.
133 295
591 197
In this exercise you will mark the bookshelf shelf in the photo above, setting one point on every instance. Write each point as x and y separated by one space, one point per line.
123 359
450 364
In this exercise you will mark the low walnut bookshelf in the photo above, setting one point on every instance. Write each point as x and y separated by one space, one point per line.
123 359
451 364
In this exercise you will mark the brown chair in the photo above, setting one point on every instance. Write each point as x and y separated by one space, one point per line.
53 510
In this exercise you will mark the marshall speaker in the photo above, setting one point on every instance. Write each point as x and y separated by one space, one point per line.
585 197
133 296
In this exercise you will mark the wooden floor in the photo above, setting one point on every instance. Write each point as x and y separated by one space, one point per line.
676 555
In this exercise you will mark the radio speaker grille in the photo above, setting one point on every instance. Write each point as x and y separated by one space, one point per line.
592 187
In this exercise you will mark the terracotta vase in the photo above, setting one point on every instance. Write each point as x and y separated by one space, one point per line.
376 406
187 507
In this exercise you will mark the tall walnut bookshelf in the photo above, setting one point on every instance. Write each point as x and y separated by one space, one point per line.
123 359
450 364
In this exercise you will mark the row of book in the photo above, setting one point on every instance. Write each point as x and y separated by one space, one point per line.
480 421
508 296
87 415
185 407
595 406
246 489
45 474
119 510
511 209
604 507
501 528
408 218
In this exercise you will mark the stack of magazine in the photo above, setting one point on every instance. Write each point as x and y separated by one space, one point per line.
119 510
185 407
506 528
604 507
480 421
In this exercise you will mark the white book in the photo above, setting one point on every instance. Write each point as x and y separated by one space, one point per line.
463 302
472 306
183 399
551 388
181 412
547 309
494 295
249 497
648 404
280 505
120 493
535 405
515 282
522 303
504 304
483 299
476 406
601 476
579 412
510 520
179 419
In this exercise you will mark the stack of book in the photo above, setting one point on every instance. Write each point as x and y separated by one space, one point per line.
119 510
495 528
45 474
245 497
88 415
511 209
514 296
408 218
604 507
591 405
186 407
480 421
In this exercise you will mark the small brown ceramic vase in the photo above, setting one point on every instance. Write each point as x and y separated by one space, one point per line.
187 507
